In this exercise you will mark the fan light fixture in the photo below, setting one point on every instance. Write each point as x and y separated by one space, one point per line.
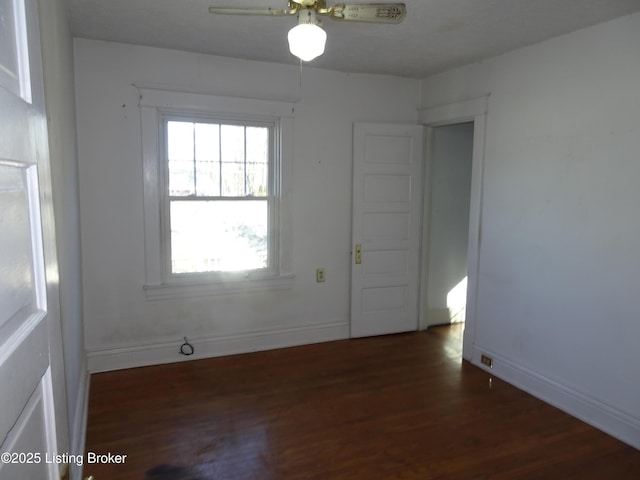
307 39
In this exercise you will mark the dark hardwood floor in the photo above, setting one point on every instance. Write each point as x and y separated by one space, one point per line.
392 407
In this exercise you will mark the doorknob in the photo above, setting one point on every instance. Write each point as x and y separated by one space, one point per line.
358 254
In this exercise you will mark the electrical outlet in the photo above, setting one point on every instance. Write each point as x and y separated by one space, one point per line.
320 275
485 360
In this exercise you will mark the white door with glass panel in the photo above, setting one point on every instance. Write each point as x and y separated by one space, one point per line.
27 421
387 199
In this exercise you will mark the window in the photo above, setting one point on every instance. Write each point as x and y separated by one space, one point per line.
216 186
220 195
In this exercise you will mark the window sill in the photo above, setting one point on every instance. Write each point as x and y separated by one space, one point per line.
190 290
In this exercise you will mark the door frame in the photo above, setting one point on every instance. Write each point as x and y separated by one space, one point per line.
474 110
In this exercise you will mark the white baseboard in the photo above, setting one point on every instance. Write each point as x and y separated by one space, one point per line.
118 358
604 417
79 428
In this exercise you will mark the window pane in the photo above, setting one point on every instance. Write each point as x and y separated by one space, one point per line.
181 178
180 158
207 159
218 236
180 141
257 179
232 179
232 142
257 161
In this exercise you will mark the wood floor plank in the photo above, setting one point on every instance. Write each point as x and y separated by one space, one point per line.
391 407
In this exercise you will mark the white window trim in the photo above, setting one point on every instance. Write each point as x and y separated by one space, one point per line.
154 104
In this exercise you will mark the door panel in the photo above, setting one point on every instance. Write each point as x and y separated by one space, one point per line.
385 262
30 439
387 194
387 188
386 226
387 149
381 300
27 420
24 360
16 263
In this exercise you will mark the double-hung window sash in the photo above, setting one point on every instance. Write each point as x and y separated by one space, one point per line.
220 198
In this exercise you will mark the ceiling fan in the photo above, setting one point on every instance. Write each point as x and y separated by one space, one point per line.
307 39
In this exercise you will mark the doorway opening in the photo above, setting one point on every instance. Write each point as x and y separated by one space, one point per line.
446 237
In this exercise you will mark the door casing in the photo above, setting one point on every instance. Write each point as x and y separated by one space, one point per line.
475 111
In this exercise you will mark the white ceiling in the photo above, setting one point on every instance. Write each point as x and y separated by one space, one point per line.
436 34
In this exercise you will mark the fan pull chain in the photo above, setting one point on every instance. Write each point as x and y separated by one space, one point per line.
301 75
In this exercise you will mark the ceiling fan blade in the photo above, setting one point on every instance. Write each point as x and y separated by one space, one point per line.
252 11
369 12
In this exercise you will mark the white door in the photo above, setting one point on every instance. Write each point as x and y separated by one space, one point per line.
27 421
387 199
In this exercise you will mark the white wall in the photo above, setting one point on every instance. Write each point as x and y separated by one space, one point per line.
124 329
57 56
449 194
559 262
